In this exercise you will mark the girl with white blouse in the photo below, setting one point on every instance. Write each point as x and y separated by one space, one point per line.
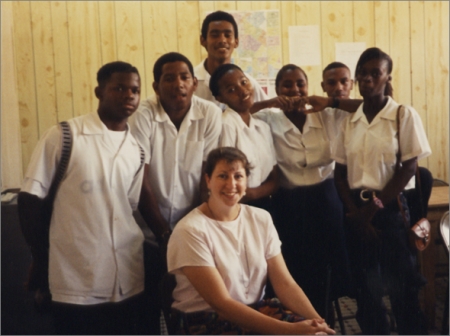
229 85
308 213
373 167
222 254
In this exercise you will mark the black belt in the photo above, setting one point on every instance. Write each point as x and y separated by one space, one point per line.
365 195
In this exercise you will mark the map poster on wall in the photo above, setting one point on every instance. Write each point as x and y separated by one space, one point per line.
259 51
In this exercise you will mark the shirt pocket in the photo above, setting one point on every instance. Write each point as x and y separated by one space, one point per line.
318 153
193 157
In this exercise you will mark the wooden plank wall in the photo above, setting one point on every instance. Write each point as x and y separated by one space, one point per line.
59 46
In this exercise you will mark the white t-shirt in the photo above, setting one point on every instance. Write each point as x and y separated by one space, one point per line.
304 158
369 150
255 141
204 92
238 249
176 157
95 244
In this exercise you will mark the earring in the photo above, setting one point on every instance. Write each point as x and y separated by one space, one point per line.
209 192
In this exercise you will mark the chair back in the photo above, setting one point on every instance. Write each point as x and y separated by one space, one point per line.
444 228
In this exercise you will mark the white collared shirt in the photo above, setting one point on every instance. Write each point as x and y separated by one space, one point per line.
304 158
176 157
369 150
255 141
204 92
96 251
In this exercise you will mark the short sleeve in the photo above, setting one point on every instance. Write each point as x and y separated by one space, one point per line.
228 138
188 246
413 140
43 163
141 127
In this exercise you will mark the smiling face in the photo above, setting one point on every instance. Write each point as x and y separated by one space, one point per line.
337 82
227 183
175 87
119 96
220 41
293 83
236 91
373 77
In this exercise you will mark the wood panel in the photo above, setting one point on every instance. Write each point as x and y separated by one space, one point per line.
160 36
382 26
26 83
44 64
84 44
400 51
244 5
61 52
437 76
187 19
129 35
288 18
11 166
309 13
224 5
418 68
204 7
108 37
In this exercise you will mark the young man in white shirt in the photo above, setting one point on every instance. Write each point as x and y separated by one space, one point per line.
95 257
177 130
219 37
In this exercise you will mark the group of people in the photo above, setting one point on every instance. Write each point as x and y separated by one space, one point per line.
264 209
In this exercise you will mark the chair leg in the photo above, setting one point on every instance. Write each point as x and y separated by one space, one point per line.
339 314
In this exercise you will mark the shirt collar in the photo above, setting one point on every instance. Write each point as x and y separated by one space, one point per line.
201 73
194 113
92 124
388 112
237 118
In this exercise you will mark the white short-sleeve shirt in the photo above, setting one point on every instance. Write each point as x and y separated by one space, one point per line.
304 157
238 249
369 150
96 251
204 92
255 141
176 157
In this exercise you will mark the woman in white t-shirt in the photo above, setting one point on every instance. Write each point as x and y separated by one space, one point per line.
229 85
371 173
308 213
222 254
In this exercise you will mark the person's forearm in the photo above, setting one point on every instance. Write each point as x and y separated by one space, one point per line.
149 209
267 188
398 182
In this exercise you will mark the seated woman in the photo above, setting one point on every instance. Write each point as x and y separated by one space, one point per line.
222 254
308 213
230 86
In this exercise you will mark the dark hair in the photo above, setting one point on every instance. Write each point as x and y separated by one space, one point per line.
218 16
170 58
286 68
334 65
218 74
376 53
106 71
229 154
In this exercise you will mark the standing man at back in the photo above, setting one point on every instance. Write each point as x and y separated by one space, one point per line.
95 257
220 36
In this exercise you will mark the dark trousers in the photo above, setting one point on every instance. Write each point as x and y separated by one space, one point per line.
121 318
386 264
309 221
151 304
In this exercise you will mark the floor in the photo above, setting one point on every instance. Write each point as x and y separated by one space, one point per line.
348 309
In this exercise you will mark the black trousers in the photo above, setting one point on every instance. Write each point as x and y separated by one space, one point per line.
121 318
386 265
309 221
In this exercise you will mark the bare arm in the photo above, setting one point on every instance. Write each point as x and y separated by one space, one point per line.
268 187
320 103
208 282
149 209
203 187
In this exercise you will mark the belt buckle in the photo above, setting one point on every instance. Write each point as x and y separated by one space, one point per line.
361 195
